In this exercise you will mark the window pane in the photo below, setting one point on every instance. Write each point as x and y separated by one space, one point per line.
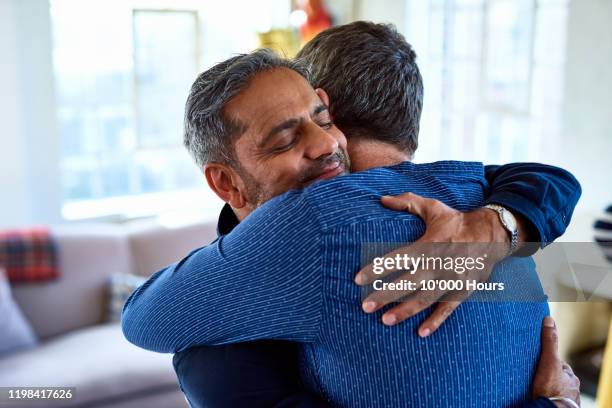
165 59
550 35
121 97
465 87
467 39
508 64
493 78
115 176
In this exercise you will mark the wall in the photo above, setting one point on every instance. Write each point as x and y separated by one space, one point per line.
29 139
586 150
587 139
12 172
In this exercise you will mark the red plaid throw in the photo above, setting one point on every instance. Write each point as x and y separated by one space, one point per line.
28 255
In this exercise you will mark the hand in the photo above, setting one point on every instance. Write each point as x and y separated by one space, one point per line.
453 229
554 377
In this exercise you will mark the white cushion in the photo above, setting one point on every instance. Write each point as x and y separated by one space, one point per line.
98 361
15 331
120 287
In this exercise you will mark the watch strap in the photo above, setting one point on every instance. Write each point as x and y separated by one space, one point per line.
512 231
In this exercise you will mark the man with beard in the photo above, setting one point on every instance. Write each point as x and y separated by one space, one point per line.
290 141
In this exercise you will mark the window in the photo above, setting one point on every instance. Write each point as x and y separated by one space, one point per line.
493 73
121 94
123 69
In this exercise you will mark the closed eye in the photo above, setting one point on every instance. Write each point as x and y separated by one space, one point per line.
284 143
323 119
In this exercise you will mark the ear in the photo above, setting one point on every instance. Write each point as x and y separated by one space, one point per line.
323 96
224 182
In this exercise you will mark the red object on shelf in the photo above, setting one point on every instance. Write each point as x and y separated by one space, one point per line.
318 19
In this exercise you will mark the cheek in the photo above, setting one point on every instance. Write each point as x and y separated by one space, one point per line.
287 173
287 168
278 174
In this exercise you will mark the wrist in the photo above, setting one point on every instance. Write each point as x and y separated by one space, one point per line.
498 231
509 225
483 225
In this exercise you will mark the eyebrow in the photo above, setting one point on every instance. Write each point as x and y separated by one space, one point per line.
289 124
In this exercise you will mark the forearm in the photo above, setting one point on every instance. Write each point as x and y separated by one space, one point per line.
184 305
226 292
153 315
542 197
189 304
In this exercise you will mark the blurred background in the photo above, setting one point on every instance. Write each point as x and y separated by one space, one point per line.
93 92
92 95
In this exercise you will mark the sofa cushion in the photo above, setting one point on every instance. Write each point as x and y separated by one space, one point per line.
88 254
154 246
15 331
120 287
98 361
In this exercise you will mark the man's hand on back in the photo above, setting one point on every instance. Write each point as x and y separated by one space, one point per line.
554 377
451 230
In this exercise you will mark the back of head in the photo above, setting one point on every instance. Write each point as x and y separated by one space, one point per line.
370 74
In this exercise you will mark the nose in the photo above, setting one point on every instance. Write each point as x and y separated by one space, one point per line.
320 143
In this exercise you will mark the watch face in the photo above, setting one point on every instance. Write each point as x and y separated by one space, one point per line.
509 220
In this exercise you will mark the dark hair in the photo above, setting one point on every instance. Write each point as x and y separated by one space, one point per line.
209 131
373 82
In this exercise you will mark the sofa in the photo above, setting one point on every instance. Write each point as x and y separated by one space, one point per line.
76 346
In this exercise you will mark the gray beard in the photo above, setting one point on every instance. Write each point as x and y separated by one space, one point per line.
257 194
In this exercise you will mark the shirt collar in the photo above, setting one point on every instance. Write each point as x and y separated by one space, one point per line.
227 220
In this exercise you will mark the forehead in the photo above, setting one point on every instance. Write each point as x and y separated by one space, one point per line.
272 97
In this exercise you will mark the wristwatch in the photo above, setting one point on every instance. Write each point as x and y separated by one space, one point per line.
509 222
566 401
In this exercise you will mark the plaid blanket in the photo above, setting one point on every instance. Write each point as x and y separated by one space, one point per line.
28 255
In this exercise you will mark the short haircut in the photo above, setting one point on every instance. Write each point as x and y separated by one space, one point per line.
374 85
210 132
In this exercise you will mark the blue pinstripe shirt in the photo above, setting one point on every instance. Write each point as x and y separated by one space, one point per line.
286 272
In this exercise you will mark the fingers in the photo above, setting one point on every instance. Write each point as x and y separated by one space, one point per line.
567 369
577 390
549 356
413 203
573 388
402 258
366 275
402 202
381 298
437 317
405 311
369 273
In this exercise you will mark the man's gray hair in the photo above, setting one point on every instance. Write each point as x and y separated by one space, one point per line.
209 132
